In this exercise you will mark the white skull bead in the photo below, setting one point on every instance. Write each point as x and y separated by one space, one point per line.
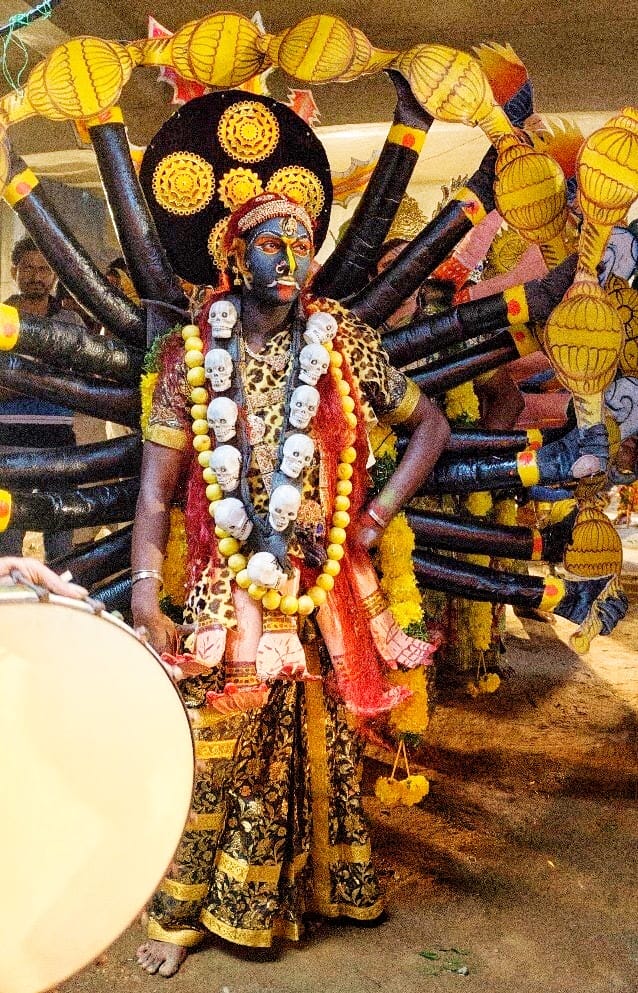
222 318
304 404
218 367
230 514
222 418
297 454
225 462
320 328
283 507
264 570
313 361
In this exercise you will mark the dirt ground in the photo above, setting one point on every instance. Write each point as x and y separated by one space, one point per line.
517 873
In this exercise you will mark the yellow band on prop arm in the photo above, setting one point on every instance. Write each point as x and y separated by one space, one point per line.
553 593
5 509
534 438
472 206
412 138
516 302
9 327
528 468
20 186
406 407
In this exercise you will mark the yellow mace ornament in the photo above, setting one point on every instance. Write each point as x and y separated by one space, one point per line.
607 172
584 336
530 194
595 548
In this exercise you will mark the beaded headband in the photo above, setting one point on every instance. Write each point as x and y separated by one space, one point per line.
275 208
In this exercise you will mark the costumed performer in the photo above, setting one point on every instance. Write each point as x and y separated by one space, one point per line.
277 827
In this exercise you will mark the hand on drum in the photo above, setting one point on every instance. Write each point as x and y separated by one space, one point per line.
40 575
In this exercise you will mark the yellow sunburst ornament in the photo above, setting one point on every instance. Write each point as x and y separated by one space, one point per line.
183 183
237 186
248 131
301 185
215 243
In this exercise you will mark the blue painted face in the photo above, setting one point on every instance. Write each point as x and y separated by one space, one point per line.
278 257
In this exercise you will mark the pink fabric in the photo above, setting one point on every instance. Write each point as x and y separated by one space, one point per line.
530 267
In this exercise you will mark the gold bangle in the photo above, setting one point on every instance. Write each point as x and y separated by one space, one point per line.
140 574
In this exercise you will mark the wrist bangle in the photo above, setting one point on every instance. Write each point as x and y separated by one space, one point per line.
376 517
139 574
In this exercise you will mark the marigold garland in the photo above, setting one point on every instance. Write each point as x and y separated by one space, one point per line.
174 569
147 386
461 404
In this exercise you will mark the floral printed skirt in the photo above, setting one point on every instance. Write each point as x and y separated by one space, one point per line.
276 828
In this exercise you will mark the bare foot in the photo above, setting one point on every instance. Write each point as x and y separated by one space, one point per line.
161 956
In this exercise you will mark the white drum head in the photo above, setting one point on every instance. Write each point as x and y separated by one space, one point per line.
96 775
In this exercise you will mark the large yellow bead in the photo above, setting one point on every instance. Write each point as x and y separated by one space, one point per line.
256 592
289 605
199 395
271 599
220 533
194 344
200 426
228 546
350 419
335 552
201 442
243 579
344 487
348 455
190 331
340 519
193 359
342 503
344 471
347 404
343 388
214 492
336 359
208 475
332 567
196 376
198 411
317 595
325 582
204 460
237 562
337 536
305 605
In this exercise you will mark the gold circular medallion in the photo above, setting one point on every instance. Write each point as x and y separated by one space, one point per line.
237 186
300 185
248 131
215 243
183 183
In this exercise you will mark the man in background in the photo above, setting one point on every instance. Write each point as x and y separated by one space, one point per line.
26 421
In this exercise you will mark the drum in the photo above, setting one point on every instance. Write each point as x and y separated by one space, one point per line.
96 777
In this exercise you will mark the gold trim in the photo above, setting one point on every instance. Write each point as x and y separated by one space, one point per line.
553 593
183 891
20 187
183 183
470 205
244 872
161 434
527 467
357 854
406 407
113 115
374 604
205 717
205 822
185 937
205 750
6 506
319 783
524 339
279 622
249 936
301 185
291 869
248 131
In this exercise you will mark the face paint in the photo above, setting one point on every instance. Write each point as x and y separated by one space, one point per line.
278 257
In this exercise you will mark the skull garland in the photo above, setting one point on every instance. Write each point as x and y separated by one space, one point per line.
304 404
225 462
222 416
264 570
218 367
283 507
222 318
230 514
297 453
313 362
320 327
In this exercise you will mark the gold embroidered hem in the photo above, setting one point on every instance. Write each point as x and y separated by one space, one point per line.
164 435
186 937
406 407
249 937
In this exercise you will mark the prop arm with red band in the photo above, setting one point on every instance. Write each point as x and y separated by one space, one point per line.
477 441
104 400
108 503
533 301
354 259
445 533
71 263
148 264
572 600
375 302
71 347
96 561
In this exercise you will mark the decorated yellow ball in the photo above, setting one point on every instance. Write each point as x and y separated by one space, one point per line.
337 536
199 395
344 487
340 519
243 579
347 404
198 411
343 388
325 582
256 592
196 376
344 471
201 442
214 492
194 344
342 503
348 455
335 552
204 460
271 599
317 595
190 331
219 532
237 562
332 567
193 358
228 546
200 426
208 475
350 419
305 605
289 605
336 359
